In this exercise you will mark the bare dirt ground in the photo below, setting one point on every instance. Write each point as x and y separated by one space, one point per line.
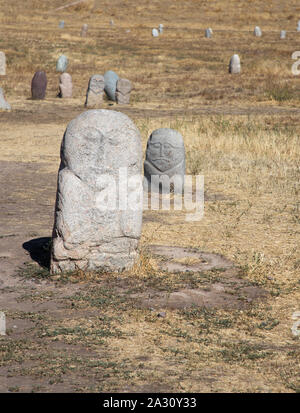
208 308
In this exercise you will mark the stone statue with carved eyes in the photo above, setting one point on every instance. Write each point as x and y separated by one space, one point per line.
165 157
94 94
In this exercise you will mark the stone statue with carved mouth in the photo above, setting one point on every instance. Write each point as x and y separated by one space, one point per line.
165 157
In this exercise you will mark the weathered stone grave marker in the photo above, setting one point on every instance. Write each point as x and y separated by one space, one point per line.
208 33
110 81
39 85
257 31
235 64
282 34
123 90
155 33
62 63
98 213
84 30
94 93
165 156
65 85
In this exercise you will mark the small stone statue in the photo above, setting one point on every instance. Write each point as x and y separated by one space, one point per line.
95 90
123 91
235 64
39 85
165 156
65 86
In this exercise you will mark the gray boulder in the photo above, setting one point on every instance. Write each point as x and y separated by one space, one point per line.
61 24
165 157
235 64
94 93
62 64
97 226
110 84
3 104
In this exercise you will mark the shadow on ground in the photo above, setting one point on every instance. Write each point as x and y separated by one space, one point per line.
39 250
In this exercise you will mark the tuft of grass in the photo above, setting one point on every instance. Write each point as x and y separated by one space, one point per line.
280 92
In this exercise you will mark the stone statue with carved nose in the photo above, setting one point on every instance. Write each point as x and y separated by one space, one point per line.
165 158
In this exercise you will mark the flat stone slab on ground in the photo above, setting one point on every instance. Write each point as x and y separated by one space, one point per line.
229 291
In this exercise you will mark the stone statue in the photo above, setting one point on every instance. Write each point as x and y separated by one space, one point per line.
94 94
165 156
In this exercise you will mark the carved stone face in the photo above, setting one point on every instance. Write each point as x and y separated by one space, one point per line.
165 149
96 84
65 79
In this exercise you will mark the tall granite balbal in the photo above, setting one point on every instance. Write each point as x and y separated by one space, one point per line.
165 155
235 64
123 91
94 228
110 84
39 85
94 93
65 85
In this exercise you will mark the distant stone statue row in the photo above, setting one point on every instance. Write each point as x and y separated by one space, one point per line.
156 32
98 213
115 88
84 28
257 32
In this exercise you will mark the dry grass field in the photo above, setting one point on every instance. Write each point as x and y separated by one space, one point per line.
90 332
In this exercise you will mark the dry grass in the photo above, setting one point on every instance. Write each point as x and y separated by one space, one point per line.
253 161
